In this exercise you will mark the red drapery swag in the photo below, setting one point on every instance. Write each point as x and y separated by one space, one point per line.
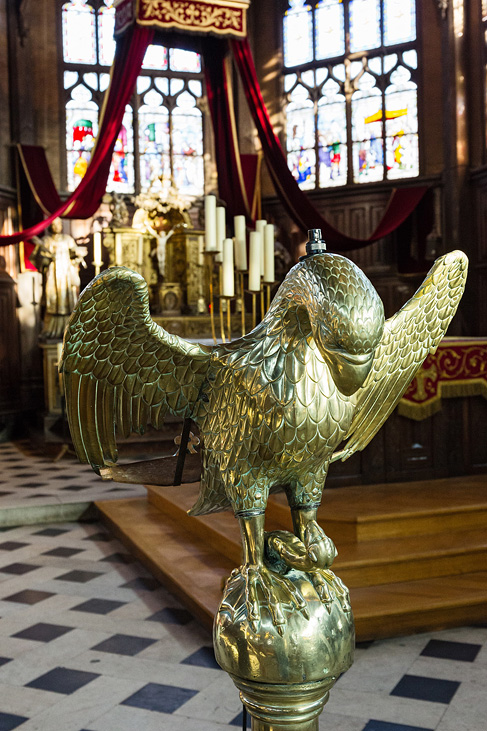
233 177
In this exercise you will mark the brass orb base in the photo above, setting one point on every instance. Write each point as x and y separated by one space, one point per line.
284 674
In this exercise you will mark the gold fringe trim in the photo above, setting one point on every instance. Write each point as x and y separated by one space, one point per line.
456 389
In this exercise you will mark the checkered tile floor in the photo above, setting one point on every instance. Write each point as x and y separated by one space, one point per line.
28 477
89 641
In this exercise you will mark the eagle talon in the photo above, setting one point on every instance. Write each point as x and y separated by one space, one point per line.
328 586
264 588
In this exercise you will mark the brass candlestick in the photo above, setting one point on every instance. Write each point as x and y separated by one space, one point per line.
242 299
220 301
209 262
228 301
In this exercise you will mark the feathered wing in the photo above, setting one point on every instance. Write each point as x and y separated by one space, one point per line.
408 337
121 370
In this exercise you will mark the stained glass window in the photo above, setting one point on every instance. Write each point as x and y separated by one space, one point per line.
351 99
81 131
298 34
162 129
330 29
171 134
106 26
79 45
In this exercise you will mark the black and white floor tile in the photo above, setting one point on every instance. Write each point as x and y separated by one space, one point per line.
89 641
29 477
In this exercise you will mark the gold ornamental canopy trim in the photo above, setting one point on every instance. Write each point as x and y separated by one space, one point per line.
224 17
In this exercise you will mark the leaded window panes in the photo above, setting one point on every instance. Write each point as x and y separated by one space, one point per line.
351 91
162 129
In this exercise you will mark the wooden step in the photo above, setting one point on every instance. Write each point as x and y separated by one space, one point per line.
194 571
369 512
419 606
364 563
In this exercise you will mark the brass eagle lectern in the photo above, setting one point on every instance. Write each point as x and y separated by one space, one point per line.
273 408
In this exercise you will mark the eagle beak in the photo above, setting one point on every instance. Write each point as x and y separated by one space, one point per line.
348 371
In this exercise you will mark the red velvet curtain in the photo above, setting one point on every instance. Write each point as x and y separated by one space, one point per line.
402 201
231 184
86 198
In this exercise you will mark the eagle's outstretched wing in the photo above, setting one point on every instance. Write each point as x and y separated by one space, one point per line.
408 337
121 369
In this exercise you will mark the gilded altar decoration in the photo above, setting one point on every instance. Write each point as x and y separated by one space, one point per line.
224 17
458 368
273 407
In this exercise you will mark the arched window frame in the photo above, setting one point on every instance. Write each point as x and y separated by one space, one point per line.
94 77
313 73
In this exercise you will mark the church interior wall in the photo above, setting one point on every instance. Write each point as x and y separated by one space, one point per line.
30 80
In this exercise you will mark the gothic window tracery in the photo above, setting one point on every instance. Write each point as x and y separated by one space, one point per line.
162 129
350 84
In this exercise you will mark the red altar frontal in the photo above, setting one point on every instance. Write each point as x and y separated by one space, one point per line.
458 368
224 17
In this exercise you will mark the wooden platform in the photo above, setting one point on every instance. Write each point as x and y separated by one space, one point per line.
414 555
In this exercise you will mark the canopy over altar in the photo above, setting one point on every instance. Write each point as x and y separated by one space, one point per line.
227 18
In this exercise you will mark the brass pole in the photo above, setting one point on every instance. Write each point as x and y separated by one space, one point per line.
254 310
268 287
229 321
262 302
242 300
222 322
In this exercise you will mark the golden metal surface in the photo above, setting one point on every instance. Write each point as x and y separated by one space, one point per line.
273 408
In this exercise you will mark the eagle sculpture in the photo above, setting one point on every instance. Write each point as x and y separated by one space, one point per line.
323 367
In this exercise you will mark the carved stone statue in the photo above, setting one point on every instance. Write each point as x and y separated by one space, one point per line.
58 258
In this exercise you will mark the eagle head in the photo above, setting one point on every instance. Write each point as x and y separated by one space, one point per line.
345 312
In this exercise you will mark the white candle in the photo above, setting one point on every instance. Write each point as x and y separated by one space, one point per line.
118 249
240 243
228 288
201 249
254 263
210 222
260 226
97 260
269 253
220 232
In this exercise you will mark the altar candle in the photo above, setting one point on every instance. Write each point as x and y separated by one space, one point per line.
201 250
97 260
260 226
210 222
240 243
220 232
254 263
118 249
269 253
228 289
